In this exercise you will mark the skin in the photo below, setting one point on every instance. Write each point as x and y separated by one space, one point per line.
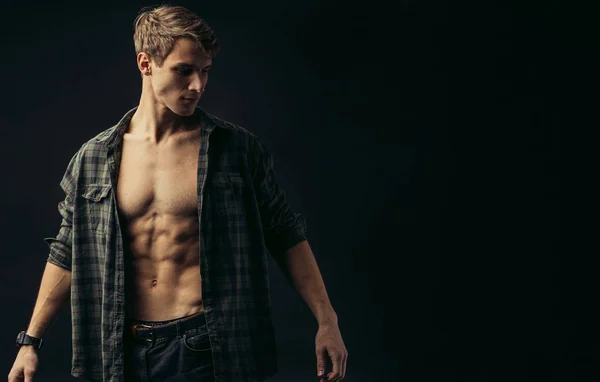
156 188
300 268
160 150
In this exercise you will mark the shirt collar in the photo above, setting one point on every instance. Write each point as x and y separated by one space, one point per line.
115 134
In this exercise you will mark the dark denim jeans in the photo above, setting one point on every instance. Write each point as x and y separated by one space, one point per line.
186 356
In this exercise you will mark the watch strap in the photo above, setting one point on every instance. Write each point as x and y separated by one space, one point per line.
24 339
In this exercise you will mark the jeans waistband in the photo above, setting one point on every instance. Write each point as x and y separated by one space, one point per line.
158 323
150 330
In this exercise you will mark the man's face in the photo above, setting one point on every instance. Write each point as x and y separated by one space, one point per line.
178 84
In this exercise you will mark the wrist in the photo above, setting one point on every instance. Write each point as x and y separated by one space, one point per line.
34 332
28 349
25 340
329 319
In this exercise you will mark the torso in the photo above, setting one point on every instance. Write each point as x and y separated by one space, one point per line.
158 204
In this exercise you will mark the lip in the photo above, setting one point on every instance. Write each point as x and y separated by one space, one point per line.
191 99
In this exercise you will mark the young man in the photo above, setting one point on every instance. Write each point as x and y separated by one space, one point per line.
166 223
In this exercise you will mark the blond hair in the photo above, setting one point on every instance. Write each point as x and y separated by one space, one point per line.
157 29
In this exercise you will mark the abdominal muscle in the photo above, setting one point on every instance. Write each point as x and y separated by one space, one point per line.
165 268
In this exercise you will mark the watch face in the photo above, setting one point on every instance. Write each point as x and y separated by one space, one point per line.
20 338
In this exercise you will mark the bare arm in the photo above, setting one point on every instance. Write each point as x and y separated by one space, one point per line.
300 268
55 288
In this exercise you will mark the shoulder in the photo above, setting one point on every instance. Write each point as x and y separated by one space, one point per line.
95 147
254 142
91 152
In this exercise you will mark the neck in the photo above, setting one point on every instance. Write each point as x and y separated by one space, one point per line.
157 122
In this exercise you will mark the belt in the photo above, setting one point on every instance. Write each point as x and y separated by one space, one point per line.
174 328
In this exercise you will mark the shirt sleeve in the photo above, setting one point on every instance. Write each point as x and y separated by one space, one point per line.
282 228
60 246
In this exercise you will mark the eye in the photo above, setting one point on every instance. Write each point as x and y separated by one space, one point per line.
184 71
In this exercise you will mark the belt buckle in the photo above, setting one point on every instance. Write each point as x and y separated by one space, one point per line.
146 326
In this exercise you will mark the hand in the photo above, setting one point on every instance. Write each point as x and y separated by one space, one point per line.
25 365
329 343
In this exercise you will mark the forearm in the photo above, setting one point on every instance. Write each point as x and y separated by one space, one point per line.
299 266
54 290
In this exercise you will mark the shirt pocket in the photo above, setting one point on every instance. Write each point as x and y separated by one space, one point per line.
228 195
95 206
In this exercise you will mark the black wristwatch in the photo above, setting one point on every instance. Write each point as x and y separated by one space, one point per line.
24 339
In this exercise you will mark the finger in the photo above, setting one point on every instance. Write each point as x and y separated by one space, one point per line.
332 377
321 362
344 365
29 375
336 360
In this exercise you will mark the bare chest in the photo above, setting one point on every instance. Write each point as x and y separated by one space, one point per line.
159 180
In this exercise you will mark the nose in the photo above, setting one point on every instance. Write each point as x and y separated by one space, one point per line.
196 83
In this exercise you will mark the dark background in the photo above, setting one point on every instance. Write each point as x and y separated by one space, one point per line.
420 139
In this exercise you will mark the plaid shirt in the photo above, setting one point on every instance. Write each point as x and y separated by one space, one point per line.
243 215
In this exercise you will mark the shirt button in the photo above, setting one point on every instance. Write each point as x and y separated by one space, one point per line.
208 302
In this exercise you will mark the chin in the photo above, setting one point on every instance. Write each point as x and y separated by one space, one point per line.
183 110
187 112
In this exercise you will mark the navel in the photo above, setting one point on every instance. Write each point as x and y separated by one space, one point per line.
154 282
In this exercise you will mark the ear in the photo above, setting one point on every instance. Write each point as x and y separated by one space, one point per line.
144 63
